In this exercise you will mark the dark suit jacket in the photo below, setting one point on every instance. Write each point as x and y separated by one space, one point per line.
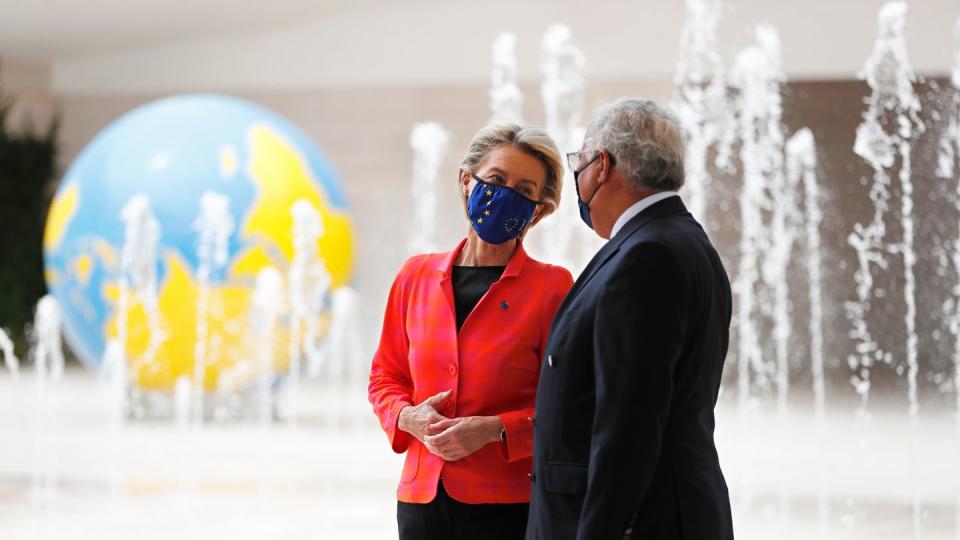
623 435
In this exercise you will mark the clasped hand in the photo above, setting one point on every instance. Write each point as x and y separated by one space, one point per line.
449 438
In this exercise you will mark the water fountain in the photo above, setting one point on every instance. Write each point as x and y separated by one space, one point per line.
307 286
562 65
506 99
801 169
949 145
113 370
784 219
881 141
138 278
886 135
771 223
45 343
265 314
700 98
949 149
429 142
319 291
183 399
563 87
47 354
756 79
344 335
214 226
345 343
9 358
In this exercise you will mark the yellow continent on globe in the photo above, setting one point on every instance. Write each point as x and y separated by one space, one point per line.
231 341
282 178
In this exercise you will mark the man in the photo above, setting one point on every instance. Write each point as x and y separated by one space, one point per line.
623 434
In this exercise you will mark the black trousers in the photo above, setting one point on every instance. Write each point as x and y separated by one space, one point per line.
447 519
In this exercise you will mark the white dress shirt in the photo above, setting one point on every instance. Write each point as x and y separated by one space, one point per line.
638 207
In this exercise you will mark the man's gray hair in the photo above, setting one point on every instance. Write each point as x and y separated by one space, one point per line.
645 140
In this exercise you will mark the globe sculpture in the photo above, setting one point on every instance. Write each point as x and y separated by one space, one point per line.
183 304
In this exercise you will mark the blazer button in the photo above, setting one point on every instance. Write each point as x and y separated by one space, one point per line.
550 360
453 369
532 477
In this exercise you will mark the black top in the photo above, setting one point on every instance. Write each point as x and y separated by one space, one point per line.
624 432
470 283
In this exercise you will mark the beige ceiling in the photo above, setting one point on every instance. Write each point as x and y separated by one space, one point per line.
47 30
138 46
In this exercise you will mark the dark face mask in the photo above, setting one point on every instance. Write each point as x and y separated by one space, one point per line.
498 213
585 206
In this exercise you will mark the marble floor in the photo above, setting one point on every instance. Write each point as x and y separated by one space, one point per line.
68 471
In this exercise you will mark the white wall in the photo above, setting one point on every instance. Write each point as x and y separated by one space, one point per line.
27 86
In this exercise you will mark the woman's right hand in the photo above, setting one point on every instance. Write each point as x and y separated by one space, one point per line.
416 419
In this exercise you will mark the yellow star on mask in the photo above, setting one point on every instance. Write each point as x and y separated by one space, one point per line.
486 212
489 193
479 220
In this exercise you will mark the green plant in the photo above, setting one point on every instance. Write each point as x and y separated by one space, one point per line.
27 171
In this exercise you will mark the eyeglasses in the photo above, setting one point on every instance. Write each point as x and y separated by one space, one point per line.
574 160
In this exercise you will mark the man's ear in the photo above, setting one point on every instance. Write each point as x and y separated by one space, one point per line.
603 175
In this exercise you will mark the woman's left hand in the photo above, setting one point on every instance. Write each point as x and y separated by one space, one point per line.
457 438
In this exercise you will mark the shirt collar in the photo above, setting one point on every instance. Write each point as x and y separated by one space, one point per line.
638 207
513 265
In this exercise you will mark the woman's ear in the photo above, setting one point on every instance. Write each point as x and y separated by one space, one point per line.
538 214
465 183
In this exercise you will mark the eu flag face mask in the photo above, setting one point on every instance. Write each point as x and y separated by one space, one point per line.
498 213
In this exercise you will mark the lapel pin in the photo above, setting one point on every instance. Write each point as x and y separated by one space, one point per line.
504 305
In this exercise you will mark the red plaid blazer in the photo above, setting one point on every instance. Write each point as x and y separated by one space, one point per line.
492 366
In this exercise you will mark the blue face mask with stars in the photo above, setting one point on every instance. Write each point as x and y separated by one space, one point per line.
498 213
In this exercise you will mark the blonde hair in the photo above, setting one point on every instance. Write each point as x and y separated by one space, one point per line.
527 139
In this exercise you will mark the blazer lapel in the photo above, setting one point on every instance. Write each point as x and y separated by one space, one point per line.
446 286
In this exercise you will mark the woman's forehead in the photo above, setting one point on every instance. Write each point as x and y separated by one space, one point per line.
515 163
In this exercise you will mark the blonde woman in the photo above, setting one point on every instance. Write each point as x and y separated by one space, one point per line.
453 381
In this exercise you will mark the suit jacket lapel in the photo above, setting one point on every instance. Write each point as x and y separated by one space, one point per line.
598 260
669 206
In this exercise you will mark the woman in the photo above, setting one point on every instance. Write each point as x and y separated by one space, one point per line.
454 377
